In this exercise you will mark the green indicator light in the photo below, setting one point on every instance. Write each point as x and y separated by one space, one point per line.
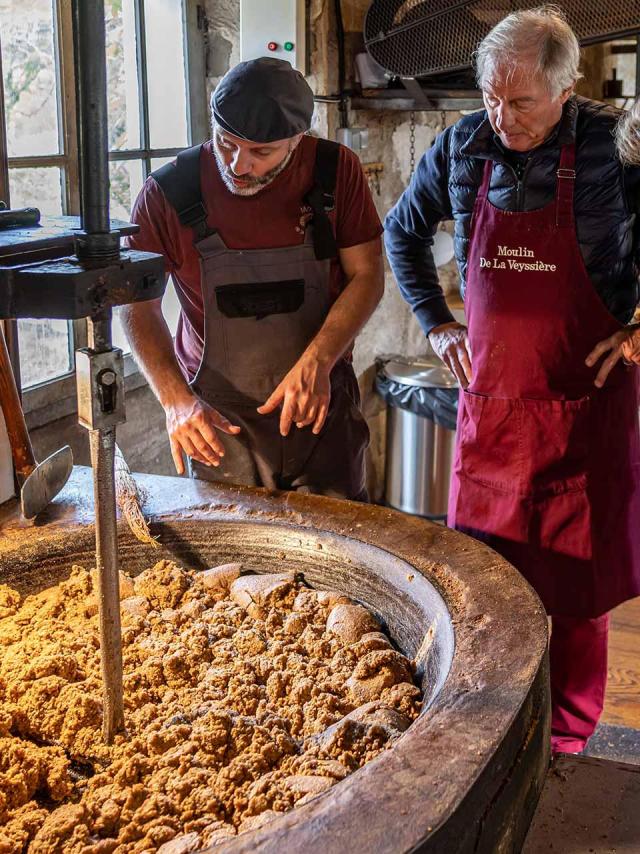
288 45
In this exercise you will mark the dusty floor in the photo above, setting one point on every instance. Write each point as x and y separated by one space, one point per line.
244 694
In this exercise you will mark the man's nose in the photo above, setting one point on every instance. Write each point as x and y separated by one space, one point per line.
241 163
505 118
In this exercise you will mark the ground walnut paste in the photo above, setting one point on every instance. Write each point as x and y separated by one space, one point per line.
244 696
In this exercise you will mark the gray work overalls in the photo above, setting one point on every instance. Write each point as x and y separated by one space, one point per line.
262 307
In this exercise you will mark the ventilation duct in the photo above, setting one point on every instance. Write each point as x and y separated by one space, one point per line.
427 38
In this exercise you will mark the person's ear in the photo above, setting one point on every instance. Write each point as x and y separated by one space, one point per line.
295 142
566 94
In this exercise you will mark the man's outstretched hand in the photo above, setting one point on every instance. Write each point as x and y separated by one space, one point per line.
193 428
304 395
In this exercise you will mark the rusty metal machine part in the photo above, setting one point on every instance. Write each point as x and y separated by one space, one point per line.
467 774
100 381
103 443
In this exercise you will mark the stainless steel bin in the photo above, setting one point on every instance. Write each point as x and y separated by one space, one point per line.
419 452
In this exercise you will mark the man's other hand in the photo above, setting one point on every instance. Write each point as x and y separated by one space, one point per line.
304 394
624 344
450 341
192 426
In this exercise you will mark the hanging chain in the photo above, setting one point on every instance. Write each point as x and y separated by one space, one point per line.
412 140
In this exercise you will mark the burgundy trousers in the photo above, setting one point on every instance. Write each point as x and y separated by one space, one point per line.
578 657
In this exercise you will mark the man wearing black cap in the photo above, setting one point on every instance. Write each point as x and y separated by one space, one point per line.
273 242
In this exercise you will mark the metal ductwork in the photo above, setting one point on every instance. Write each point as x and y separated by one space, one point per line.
430 38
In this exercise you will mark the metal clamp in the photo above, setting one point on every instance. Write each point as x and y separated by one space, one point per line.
100 384
566 173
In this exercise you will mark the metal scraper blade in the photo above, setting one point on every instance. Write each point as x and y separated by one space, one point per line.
45 482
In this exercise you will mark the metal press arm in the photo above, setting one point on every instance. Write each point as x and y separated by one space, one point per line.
100 374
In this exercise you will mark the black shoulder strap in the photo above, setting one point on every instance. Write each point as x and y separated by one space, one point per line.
321 198
326 170
180 182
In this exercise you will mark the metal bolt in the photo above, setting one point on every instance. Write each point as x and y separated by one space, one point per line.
107 377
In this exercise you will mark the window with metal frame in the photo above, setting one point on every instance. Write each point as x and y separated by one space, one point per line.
156 78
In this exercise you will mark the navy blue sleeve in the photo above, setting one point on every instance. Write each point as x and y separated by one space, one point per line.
408 235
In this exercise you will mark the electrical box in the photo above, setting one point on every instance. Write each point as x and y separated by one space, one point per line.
274 28
357 139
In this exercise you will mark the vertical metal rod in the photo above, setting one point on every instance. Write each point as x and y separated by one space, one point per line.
143 82
90 41
98 247
103 444
99 332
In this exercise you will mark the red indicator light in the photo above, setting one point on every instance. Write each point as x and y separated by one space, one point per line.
273 45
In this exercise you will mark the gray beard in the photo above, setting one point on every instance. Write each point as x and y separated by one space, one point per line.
256 184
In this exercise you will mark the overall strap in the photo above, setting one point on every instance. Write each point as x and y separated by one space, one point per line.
180 183
321 198
483 192
566 175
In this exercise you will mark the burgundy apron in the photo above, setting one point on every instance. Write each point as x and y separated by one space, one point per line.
547 468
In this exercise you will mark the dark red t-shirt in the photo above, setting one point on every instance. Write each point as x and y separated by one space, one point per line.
273 218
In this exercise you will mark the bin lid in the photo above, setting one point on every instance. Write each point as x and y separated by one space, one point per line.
424 371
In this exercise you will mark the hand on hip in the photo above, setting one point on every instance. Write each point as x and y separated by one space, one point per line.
450 342
624 345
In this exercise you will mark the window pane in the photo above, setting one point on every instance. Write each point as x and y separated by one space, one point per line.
122 76
44 350
157 162
40 188
166 73
29 70
126 183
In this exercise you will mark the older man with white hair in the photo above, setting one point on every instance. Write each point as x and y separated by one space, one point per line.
547 468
